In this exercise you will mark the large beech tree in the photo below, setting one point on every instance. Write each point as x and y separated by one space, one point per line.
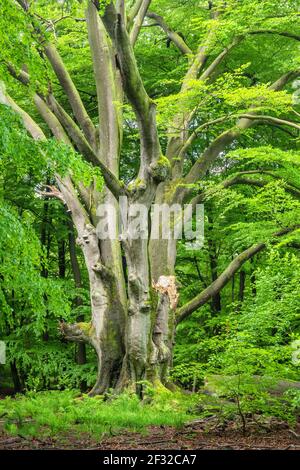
134 307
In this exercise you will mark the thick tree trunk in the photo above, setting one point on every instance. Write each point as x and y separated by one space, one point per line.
162 258
147 312
140 308
142 351
105 332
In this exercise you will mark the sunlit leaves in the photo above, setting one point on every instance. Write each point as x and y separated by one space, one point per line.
37 160
20 43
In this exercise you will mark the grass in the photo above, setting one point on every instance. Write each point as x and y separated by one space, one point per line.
51 413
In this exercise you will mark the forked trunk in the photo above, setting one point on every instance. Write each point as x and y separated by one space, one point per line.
133 337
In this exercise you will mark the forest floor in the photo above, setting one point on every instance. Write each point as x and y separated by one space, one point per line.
203 434
66 420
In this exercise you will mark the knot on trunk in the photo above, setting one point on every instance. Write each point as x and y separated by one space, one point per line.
160 352
166 285
105 273
160 169
87 236
77 332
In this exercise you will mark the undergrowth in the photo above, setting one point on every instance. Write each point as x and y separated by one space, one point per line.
52 413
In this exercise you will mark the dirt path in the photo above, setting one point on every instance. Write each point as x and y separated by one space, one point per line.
193 436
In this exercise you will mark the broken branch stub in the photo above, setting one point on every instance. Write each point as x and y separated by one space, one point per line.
167 285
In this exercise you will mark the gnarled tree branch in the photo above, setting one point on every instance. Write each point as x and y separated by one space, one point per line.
286 34
256 117
67 84
32 127
72 93
144 107
214 288
172 35
270 119
227 137
219 59
138 19
84 147
108 93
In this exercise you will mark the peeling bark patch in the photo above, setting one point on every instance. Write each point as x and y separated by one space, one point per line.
167 285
